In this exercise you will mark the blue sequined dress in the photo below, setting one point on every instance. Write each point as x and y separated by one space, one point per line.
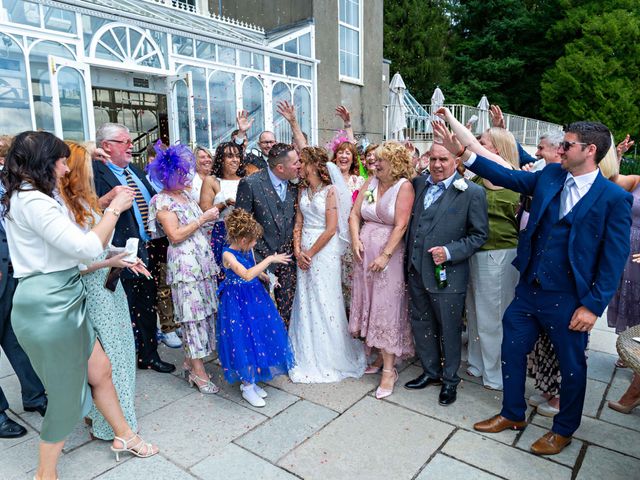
253 345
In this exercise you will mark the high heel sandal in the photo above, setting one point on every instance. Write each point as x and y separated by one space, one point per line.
619 407
208 388
372 369
140 449
384 392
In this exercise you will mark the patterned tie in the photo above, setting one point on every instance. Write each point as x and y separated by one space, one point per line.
433 194
143 207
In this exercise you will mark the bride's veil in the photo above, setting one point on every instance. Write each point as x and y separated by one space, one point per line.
343 196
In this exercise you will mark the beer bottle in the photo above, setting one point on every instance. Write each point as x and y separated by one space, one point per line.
441 276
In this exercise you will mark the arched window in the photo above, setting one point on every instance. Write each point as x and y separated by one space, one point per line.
281 127
222 96
253 102
15 113
302 101
128 45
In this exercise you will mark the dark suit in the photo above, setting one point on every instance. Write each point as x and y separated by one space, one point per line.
458 221
32 390
259 161
141 292
257 196
564 263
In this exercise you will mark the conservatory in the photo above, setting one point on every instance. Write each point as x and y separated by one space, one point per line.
164 68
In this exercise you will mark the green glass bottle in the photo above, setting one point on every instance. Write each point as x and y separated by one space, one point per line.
441 276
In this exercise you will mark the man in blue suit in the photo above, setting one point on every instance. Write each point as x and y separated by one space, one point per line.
570 257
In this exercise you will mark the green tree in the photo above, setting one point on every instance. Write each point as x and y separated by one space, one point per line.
416 38
501 50
598 77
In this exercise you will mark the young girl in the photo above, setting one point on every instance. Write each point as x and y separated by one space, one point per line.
252 340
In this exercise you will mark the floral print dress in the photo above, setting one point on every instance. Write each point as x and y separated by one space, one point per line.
191 273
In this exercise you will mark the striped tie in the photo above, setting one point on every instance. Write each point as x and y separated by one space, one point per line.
143 207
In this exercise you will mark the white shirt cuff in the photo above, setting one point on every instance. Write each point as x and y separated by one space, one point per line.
470 160
446 250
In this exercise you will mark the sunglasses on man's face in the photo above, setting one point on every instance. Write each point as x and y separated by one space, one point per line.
566 145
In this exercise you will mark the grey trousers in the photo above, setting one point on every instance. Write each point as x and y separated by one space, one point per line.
436 319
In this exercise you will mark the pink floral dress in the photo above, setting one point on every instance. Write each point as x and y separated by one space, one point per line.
191 273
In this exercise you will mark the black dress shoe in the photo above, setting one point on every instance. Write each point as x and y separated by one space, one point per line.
11 429
423 381
157 365
41 409
448 395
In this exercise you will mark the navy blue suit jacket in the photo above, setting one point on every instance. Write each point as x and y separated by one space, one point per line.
600 232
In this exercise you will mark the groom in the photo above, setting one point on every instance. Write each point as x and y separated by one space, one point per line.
448 224
271 198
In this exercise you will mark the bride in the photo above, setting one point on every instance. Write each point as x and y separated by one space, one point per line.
323 349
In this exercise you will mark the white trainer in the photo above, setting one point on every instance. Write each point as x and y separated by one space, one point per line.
547 410
537 399
250 395
172 340
260 391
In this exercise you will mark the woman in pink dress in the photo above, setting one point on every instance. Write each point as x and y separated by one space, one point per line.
379 300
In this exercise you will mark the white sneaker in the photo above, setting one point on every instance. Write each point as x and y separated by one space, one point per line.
536 399
547 410
250 395
172 340
259 391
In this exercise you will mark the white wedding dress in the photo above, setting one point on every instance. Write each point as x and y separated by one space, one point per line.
324 351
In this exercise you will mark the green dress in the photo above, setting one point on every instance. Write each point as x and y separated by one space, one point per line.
108 313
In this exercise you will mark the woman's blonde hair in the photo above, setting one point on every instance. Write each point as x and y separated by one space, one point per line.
609 165
241 224
77 188
398 157
505 143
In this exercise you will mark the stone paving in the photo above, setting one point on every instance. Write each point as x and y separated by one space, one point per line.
341 431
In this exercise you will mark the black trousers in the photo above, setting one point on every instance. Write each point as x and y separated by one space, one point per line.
436 320
32 390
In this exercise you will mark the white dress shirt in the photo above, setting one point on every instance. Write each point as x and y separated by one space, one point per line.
42 238
279 185
574 189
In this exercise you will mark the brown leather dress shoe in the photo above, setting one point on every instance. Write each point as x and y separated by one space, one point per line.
550 444
498 423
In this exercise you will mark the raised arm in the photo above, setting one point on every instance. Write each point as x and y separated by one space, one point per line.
345 115
248 274
288 111
176 232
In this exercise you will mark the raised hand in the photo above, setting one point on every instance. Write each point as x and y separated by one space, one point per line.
287 110
497 118
243 121
624 146
344 114
448 140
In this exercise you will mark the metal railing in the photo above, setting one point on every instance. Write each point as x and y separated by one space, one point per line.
526 130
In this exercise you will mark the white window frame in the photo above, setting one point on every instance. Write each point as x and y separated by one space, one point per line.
346 78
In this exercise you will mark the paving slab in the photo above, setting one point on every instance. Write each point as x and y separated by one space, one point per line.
594 397
156 467
6 443
600 463
600 366
442 467
336 396
620 383
278 436
192 427
372 440
232 462
474 403
502 460
5 367
604 342
156 390
628 420
614 437
16 461
11 389
567 457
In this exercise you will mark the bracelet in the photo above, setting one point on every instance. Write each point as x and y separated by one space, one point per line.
347 124
464 149
112 210
386 254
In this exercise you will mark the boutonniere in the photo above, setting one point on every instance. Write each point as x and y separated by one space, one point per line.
461 184
369 196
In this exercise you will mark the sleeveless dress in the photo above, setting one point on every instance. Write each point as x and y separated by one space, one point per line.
623 308
253 345
228 189
323 349
379 303
191 273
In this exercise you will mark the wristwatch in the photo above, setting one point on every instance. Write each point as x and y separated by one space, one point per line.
112 210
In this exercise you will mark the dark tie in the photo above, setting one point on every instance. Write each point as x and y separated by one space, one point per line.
143 207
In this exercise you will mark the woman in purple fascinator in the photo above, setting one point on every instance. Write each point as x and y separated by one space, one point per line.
191 268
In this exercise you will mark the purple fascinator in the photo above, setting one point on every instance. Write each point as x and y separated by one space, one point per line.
173 167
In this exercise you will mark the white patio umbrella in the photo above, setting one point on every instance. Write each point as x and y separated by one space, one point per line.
437 101
397 112
483 115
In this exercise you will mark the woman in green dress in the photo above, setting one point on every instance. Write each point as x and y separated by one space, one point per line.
107 309
49 307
